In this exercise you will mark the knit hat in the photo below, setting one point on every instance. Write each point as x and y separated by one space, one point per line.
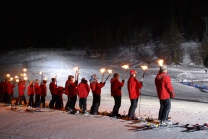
162 68
132 72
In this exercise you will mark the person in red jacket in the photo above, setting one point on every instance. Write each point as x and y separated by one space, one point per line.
72 90
21 89
30 93
67 93
96 91
134 87
116 86
10 92
1 91
5 91
83 90
53 90
165 92
37 93
43 93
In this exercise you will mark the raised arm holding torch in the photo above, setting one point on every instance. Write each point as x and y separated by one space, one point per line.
110 72
103 72
41 76
125 67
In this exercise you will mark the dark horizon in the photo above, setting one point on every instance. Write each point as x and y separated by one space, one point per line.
91 23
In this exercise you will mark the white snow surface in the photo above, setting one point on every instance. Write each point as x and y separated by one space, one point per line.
189 106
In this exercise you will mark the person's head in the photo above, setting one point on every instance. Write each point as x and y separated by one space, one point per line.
133 72
163 69
116 75
71 77
53 79
36 80
31 82
44 81
94 77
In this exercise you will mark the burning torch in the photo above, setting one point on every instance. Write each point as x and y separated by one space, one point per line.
160 62
76 73
145 69
125 67
103 72
41 76
110 72
16 79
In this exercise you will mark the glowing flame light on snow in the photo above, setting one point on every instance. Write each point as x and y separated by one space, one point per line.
160 62
110 71
125 66
102 70
144 67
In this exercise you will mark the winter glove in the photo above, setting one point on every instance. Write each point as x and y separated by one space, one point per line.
123 81
76 82
100 82
104 83
172 95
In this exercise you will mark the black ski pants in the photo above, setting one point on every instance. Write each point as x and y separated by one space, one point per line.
67 106
53 100
83 103
37 100
165 106
31 101
9 98
133 107
95 104
42 101
73 102
117 105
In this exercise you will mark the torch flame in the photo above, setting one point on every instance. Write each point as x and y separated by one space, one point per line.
125 66
102 70
11 79
25 70
24 74
45 78
41 72
25 78
76 68
160 62
17 80
8 75
110 71
16 77
144 67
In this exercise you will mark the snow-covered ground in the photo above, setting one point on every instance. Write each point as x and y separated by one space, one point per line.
189 106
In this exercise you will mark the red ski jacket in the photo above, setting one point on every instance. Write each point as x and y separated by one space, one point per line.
30 90
10 87
21 89
5 87
43 89
96 87
53 88
163 86
72 88
37 89
116 87
134 87
66 87
83 90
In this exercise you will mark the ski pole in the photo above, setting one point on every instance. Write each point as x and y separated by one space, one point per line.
110 72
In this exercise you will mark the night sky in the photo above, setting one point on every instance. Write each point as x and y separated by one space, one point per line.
84 23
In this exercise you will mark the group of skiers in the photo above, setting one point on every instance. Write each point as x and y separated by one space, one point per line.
73 89
33 89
